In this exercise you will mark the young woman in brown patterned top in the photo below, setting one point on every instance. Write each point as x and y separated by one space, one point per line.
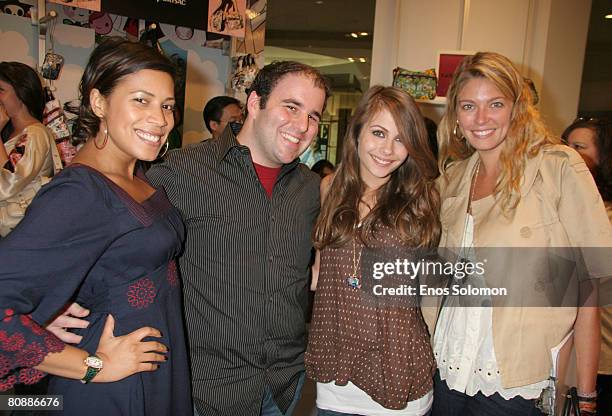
370 355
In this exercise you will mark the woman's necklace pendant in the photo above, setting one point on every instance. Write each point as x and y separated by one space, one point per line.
353 281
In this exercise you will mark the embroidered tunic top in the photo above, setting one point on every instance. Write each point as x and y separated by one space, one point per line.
381 347
86 239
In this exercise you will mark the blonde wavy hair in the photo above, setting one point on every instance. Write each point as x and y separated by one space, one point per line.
527 133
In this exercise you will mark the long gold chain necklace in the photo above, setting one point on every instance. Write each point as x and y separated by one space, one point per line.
474 186
353 279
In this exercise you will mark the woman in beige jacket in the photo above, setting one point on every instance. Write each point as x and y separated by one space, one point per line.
507 183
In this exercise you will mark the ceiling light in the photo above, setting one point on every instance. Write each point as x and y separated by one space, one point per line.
363 33
609 16
319 2
355 35
351 59
362 59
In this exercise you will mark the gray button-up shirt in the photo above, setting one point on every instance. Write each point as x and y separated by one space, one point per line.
245 272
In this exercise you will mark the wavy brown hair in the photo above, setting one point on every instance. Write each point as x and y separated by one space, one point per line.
408 202
526 135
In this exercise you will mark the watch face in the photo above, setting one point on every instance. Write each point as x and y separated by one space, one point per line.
94 362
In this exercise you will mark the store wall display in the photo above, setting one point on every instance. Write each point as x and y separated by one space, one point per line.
207 76
448 61
421 85
203 70
15 7
244 69
254 36
81 4
16 40
227 17
75 16
189 13
52 66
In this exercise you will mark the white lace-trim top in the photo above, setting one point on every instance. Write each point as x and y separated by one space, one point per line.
463 345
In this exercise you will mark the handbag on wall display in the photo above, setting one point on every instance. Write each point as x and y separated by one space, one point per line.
52 66
233 21
244 73
216 21
55 120
420 85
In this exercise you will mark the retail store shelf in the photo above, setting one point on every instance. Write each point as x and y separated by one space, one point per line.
435 101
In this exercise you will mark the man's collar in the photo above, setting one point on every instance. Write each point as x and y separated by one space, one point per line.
226 141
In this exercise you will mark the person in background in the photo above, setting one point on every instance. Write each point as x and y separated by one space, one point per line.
373 357
219 112
323 168
249 207
99 233
592 138
175 140
313 154
28 158
511 184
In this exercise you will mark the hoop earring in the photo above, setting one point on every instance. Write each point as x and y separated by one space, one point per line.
455 129
105 138
159 156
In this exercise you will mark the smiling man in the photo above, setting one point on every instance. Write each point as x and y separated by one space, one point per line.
249 207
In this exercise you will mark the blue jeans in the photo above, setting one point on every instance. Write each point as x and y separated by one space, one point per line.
269 407
449 402
326 412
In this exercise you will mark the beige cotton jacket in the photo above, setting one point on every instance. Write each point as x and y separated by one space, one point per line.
559 207
31 169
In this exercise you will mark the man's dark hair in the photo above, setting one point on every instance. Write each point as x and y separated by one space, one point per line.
271 74
213 111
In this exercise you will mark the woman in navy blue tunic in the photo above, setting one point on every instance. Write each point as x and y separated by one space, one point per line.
101 235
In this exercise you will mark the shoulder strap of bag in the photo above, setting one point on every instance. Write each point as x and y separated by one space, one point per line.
57 160
55 155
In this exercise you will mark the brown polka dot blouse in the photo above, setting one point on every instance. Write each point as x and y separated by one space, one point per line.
381 346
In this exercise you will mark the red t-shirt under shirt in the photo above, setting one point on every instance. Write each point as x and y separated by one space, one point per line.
267 176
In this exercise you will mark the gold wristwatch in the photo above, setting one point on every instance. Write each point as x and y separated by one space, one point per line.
94 365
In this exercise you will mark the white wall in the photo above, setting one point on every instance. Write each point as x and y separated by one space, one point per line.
563 62
544 38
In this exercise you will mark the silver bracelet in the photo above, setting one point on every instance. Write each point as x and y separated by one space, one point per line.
584 395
